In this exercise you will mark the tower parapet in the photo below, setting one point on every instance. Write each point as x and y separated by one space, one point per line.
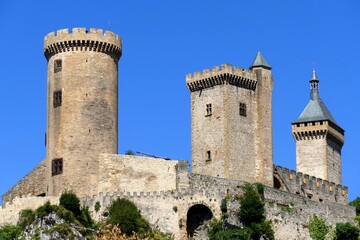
80 39
226 74
312 187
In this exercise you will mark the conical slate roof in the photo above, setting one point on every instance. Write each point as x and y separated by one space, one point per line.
260 61
315 109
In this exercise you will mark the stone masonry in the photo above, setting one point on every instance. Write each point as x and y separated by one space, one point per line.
231 123
231 114
82 106
319 138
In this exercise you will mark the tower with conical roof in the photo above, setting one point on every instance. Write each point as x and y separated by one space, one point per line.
231 118
319 138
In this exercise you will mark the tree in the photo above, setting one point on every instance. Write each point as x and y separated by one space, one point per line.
71 202
252 216
356 203
125 214
252 207
9 232
318 228
346 231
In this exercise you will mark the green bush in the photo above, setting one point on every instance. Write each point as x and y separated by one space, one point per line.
346 231
356 203
357 220
318 228
223 206
215 227
26 217
85 218
125 214
9 232
129 152
260 188
65 214
233 234
260 229
97 206
251 214
44 210
63 229
71 202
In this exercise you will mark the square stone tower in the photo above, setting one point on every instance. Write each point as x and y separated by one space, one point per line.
319 139
231 119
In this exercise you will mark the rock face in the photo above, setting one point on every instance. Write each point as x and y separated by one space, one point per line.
52 227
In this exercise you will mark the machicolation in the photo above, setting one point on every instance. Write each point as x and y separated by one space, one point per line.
81 39
226 74
231 146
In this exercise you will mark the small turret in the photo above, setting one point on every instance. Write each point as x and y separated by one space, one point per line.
260 61
319 138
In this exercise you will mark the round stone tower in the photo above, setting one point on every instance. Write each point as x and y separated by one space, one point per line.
82 109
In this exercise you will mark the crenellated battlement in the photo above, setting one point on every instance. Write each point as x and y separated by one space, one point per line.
304 184
226 74
147 195
317 129
81 39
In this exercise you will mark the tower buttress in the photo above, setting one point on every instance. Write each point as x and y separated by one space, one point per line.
319 139
264 141
82 89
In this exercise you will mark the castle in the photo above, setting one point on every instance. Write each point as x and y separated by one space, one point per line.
231 119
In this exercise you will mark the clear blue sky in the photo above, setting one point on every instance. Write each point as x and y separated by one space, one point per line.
165 40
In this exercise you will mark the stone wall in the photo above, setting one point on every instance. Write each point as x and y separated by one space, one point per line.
290 213
311 187
167 210
9 213
34 184
130 173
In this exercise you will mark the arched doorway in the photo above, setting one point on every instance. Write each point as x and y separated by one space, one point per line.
277 183
196 216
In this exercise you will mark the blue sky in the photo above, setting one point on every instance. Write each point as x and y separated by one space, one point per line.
165 40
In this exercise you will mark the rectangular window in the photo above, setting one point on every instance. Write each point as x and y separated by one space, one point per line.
208 110
57 99
56 166
242 109
57 65
208 156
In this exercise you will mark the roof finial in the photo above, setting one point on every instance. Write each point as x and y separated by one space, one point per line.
314 86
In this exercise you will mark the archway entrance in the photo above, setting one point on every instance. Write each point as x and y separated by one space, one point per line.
277 183
196 216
